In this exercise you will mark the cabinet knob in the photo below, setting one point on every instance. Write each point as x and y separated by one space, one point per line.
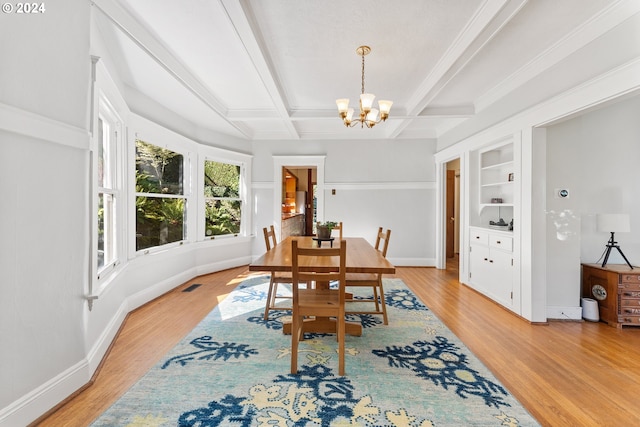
498 242
486 259
490 260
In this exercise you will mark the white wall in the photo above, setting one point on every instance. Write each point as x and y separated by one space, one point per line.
50 342
595 156
388 184
44 87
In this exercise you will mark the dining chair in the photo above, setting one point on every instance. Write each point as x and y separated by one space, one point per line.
373 281
339 228
271 241
320 301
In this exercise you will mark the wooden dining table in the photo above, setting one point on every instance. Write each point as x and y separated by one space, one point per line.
362 257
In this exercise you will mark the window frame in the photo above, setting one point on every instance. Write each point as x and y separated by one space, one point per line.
240 198
224 156
184 149
105 109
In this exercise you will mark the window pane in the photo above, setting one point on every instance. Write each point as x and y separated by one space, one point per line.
221 180
159 221
222 217
158 170
106 230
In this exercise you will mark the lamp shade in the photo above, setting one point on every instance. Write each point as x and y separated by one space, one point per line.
343 104
613 223
385 106
366 101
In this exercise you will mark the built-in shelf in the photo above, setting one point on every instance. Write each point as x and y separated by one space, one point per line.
497 183
498 165
485 205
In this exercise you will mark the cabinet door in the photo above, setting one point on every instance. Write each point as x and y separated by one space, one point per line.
501 283
479 267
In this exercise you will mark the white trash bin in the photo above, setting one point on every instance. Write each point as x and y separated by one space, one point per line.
590 310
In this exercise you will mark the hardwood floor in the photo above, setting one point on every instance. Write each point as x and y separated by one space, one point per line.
564 373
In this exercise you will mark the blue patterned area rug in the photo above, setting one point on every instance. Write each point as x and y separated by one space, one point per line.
233 370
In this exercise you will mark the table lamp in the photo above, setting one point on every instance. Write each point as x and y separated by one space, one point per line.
611 223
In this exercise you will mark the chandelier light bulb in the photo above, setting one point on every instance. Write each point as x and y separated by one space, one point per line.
366 100
385 106
343 105
350 114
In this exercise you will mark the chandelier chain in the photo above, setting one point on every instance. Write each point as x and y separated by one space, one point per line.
363 73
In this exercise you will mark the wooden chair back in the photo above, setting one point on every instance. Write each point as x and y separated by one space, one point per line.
339 228
270 240
330 266
383 236
318 265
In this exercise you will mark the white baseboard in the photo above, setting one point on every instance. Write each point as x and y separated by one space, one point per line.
42 399
39 401
564 313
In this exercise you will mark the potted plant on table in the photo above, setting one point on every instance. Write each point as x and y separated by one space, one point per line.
324 229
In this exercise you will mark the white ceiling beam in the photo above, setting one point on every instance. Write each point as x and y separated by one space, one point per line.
595 27
485 24
243 20
163 57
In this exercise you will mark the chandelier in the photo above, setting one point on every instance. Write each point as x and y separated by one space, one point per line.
369 116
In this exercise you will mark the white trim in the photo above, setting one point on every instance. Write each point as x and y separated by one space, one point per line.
16 120
262 185
362 186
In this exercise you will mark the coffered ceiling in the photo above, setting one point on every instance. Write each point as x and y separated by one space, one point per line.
272 69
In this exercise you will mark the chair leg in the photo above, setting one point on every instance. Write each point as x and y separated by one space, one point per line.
270 296
341 345
295 339
385 320
375 298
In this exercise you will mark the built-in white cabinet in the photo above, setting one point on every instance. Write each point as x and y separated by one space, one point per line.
492 259
491 264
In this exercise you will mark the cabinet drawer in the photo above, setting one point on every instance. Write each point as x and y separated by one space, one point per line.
630 302
630 294
501 242
630 278
629 320
629 287
479 237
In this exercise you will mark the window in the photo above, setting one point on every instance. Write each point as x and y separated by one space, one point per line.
161 204
223 202
108 193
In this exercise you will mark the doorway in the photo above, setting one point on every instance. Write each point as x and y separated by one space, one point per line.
452 214
315 194
299 201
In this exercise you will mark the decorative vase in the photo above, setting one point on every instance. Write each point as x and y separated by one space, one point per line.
324 232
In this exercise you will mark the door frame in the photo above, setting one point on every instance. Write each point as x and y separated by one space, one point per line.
441 207
302 162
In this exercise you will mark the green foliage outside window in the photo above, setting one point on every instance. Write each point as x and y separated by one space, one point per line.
160 211
223 205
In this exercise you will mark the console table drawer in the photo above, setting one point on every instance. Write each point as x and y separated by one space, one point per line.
630 302
629 320
630 278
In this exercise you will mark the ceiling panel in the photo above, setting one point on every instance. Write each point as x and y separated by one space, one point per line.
273 69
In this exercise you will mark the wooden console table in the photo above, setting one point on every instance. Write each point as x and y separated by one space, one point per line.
617 289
